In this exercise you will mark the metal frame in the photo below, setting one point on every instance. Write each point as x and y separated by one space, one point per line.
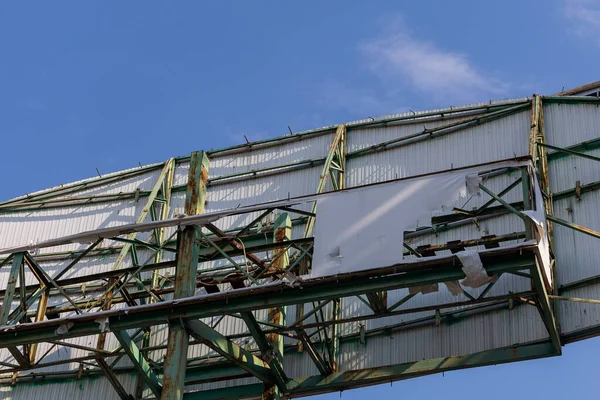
237 290
316 330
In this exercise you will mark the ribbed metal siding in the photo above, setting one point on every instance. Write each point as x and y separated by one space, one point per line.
576 254
84 389
496 140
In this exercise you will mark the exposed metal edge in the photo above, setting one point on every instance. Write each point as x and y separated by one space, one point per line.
570 100
579 89
580 334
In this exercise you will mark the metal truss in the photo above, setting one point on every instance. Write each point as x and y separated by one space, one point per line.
261 269
269 278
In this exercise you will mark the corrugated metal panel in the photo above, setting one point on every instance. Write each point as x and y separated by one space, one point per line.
301 150
576 254
477 333
575 316
496 140
568 124
84 389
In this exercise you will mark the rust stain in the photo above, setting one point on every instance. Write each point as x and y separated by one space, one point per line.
280 234
204 175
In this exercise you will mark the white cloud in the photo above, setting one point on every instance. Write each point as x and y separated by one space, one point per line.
401 59
585 17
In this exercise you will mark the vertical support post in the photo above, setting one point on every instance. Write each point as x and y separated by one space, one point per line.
41 312
283 232
335 167
167 170
11 286
185 278
167 184
335 335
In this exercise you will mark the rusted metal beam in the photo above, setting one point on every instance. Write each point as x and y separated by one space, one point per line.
281 260
41 313
576 227
185 278
140 363
230 351
114 381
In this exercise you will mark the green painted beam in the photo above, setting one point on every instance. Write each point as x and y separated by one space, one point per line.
214 373
575 227
165 174
547 312
313 353
260 298
139 362
588 145
570 100
567 151
11 286
336 382
371 123
230 350
504 203
114 381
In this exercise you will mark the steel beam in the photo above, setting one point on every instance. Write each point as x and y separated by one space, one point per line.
167 170
114 381
41 313
388 278
230 350
568 151
11 286
339 381
313 353
139 362
546 308
185 278
281 261
574 226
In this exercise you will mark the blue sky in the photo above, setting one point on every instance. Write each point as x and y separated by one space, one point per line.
108 85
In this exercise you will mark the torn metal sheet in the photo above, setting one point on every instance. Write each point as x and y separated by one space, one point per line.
453 287
473 269
383 213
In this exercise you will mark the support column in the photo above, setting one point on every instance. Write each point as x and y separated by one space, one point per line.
41 312
185 279
283 232
335 169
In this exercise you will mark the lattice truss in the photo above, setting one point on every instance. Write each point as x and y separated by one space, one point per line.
163 286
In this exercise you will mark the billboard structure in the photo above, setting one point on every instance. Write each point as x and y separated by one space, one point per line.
351 255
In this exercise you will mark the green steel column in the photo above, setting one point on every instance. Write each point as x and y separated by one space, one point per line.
185 279
283 232
13 278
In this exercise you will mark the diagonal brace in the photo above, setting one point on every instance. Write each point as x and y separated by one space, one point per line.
139 362
231 351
